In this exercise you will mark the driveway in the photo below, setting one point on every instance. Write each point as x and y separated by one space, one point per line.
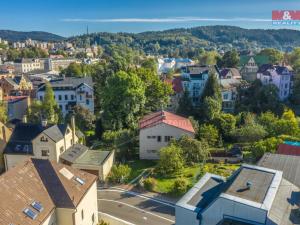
134 208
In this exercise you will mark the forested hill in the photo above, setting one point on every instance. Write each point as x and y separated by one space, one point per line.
208 37
34 35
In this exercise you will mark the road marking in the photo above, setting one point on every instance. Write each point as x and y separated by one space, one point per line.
108 200
116 218
138 195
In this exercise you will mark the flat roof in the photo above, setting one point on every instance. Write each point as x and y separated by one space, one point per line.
93 157
209 191
288 164
260 184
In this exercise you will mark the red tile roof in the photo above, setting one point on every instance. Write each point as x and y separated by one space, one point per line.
285 149
14 98
171 119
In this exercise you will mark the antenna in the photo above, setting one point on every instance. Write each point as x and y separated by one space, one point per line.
87 30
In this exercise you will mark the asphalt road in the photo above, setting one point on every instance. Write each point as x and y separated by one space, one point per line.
135 209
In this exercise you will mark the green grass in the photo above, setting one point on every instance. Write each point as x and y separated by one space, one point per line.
192 175
138 166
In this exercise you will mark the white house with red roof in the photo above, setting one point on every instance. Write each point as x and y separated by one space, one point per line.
157 129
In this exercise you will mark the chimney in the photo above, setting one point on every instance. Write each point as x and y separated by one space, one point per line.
73 127
44 122
249 184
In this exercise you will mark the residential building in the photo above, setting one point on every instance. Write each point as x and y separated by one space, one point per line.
229 92
165 65
280 76
157 129
194 80
230 73
16 106
43 192
17 85
71 91
27 65
38 140
252 195
249 65
58 143
5 134
58 64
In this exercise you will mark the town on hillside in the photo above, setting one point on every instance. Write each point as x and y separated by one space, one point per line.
155 128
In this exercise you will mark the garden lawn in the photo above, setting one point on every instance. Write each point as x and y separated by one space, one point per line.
192 174
138 166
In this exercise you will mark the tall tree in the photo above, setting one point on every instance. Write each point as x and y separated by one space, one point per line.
212 88
123 99
50 109
275 56
230 59
185 105
157 92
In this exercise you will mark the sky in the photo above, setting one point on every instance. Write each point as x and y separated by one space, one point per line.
71 17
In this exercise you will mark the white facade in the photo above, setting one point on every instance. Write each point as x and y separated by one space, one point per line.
281 80
27 66
152 139
82 95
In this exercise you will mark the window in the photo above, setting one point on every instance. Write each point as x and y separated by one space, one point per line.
82 214
59 97
93 218
66 97
60 107
61 149
44 139
87 102
80 97
66 107
45 153
41 98
225 96
72 97
168 138
151 137
158 138
151 151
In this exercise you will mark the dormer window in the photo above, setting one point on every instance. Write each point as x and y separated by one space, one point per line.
44 139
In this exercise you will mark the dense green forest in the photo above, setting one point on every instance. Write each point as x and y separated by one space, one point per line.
186 42
34 35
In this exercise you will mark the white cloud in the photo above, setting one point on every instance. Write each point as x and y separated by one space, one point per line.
164 20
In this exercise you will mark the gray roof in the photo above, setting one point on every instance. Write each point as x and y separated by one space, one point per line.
93 157
285 207
69 83
261 182
206 193
74 152
56 132
288 164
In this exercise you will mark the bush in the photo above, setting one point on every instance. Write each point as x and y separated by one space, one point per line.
103 223
119 173
171 161
150 183
180 186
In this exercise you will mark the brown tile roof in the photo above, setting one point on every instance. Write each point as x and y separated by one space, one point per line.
171 119
42 181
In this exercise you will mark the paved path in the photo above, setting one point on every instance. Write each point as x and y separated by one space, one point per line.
135 209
